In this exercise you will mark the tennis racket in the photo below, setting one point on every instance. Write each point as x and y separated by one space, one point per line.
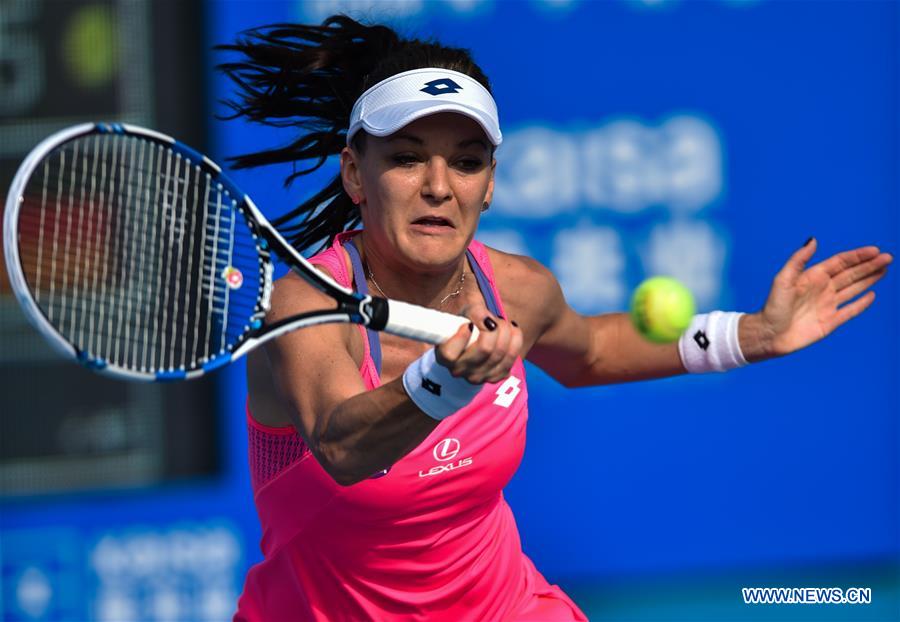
136 256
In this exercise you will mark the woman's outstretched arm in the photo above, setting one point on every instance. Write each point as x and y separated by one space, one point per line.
805 304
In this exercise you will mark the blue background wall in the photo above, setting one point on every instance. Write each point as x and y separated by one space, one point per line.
704 140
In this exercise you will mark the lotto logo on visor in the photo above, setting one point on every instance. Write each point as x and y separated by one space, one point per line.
439 87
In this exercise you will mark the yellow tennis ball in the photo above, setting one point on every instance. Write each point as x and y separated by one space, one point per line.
661 309
90 46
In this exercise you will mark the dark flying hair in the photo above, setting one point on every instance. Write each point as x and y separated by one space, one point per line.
308 78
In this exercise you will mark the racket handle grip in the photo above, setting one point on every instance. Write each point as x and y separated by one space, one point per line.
423 324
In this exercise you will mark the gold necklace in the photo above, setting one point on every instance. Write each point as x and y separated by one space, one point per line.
462 282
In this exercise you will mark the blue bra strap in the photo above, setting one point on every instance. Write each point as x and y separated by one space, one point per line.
484 285
359 277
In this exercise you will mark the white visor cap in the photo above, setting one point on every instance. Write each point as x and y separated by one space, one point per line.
400 99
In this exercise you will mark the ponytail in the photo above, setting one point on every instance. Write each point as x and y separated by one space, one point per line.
309 77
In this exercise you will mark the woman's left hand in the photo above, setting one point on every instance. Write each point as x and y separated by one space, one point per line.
807 304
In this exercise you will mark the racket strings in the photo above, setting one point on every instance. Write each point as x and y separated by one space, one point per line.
136 255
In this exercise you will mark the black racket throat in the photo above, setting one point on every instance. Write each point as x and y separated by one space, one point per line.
369 311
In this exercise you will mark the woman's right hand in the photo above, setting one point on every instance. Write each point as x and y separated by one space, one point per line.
487 359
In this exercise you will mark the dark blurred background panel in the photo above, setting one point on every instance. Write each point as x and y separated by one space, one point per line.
64 62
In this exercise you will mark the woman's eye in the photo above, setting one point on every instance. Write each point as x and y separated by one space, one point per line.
470 164
405 159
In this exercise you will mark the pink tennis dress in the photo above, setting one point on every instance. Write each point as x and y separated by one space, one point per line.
432 539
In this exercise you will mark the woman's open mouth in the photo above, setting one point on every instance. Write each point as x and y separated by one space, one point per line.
432 224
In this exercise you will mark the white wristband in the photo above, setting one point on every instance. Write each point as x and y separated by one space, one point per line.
433 388
711 343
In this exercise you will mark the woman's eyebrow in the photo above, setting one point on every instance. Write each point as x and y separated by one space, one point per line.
472 141
415 139
409 137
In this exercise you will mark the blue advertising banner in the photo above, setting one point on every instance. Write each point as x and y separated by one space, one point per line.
706 141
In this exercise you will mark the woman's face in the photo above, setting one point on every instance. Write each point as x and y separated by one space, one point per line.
422 189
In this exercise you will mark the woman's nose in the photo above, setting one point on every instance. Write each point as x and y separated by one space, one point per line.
436 184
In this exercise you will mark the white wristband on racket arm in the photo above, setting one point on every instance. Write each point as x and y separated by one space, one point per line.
711 343
433 388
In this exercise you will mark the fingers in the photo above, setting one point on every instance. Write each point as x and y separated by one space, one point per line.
847 269
851 276
855 289
490 357
852 273
850 311
481 361
836 264
512 347
451 349
797 262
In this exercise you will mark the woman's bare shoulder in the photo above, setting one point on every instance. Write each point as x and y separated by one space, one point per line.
530 292
292 294
515 272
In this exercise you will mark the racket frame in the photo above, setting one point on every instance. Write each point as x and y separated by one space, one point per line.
11 237
396 317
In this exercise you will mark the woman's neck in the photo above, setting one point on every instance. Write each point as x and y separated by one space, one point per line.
442 288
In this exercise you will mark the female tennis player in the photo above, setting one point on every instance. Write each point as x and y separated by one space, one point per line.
378 463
